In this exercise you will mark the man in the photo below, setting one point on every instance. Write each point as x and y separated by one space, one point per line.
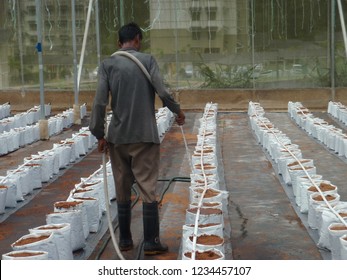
132 139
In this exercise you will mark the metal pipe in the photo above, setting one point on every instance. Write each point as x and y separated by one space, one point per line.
39 52
252 42
121 11
332 49
84 43
20 45
176 46
97 30
74 48
343 26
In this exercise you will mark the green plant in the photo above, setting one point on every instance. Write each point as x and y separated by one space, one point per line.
224 77
320 75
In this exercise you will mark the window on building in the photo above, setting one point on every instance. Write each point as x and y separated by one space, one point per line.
212 34
195 14
211 13
196 50
196 33
212 50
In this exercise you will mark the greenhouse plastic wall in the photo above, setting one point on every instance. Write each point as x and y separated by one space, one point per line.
199 44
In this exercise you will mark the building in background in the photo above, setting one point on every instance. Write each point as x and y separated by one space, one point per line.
198 43
183 32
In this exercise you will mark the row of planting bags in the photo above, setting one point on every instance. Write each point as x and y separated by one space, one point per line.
203 232
23 129
41 167
314 195
329 135
70 223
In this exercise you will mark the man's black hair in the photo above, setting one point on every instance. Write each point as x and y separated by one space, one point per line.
128 32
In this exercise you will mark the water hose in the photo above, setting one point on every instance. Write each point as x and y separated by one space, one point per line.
108 212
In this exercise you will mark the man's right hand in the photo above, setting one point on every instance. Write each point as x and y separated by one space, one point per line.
102 145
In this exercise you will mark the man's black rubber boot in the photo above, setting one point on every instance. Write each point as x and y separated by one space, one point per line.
124 222
152 245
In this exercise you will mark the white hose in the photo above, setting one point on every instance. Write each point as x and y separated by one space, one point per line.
107 198
138 62
108 211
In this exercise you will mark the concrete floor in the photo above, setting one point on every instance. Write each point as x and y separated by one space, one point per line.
261 219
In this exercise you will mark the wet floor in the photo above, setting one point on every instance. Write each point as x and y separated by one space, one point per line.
261 219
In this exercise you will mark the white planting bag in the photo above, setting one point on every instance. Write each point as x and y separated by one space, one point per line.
212 228
3 148
98 186
92 209
80 148
64 154
14 179
110 180
3 194
11 196
201 176
25 255
208 183
24 179
327 218
307 189
303 181
209 159
343 241
210 195
62 238
201 245
34 171
316 201
206 216
213 254
87 192
46 166
63 206
205 167
28 135
38 242
295 170
74 218
336 230
53 159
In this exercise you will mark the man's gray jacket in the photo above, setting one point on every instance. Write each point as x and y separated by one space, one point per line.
132 99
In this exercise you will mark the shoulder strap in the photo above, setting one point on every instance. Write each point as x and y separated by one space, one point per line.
138 62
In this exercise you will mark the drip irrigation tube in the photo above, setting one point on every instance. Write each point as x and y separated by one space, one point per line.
195 234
